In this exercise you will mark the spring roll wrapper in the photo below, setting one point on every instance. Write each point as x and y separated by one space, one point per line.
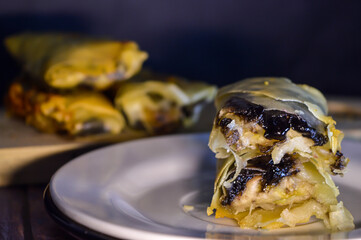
135 100
77 113
66 61
277 94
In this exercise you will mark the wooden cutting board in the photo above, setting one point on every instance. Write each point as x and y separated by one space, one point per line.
28 156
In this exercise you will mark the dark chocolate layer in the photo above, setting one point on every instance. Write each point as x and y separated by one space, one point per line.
276 123
339 164
262 166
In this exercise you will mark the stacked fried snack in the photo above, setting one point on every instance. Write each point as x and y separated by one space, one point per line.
277 149
64 87
160 106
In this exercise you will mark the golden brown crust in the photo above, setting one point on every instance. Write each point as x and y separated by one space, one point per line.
298 158
72 113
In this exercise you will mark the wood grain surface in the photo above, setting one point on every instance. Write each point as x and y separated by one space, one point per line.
13 213
23 215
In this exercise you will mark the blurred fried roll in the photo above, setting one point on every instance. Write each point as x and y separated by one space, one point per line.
66 61
76 113
163 106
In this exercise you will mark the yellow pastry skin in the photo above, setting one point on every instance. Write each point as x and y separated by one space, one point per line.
276 149
163 105
66 61
75 114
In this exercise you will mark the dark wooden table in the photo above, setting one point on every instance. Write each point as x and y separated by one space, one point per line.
23 215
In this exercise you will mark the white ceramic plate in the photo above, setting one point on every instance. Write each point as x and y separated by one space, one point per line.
141 190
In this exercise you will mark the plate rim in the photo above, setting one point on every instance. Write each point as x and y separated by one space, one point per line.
69 225
127 232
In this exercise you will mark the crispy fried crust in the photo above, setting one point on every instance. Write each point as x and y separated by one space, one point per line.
75 113
276 158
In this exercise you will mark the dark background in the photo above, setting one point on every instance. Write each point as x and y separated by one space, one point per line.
313 42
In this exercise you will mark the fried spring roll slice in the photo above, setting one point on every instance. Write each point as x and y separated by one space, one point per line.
65 61
276 151
77 113
163 106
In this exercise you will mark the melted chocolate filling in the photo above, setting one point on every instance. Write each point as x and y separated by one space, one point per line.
339 164
275 123
261 166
